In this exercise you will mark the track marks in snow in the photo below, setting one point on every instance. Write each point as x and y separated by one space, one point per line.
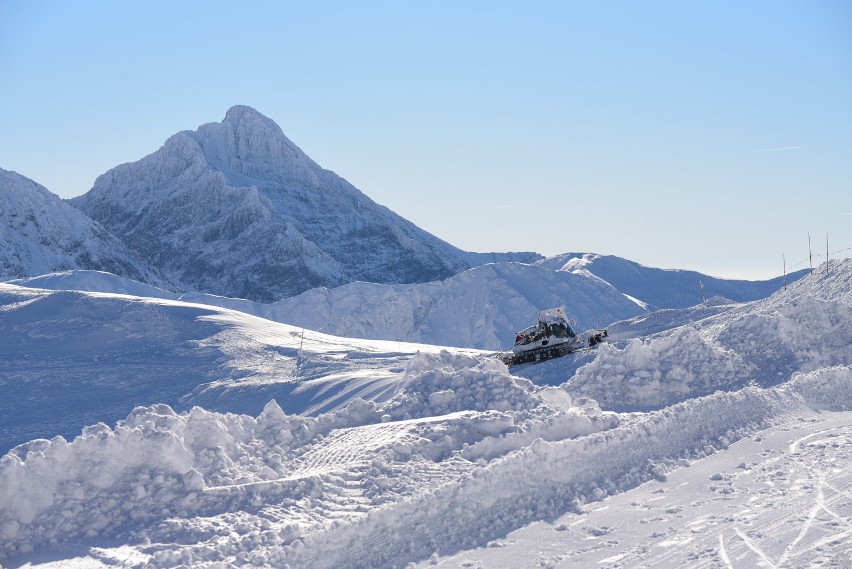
754 504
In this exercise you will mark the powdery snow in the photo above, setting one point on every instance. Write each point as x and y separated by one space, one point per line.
740 455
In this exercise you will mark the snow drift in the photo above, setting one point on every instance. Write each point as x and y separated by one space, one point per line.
805 328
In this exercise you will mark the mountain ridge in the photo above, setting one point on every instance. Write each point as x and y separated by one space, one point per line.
665 288
39 233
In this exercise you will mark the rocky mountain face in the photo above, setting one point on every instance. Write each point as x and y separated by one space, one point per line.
39 233
236 209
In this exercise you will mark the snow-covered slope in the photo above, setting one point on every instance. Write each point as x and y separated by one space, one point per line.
236 209
664 288
39 233
71 359
451 453
479 308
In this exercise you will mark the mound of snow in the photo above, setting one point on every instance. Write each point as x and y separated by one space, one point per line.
764 342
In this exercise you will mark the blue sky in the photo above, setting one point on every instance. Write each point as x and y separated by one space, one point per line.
703 135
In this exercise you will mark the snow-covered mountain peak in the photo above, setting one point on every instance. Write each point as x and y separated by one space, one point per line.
243 112
236 209
250 148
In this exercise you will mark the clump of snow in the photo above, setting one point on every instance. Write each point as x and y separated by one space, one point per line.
446 383
154 463
656 372
827 388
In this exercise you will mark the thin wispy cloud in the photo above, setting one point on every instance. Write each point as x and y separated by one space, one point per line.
778 148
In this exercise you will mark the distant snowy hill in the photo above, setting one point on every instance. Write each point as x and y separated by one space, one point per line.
664 288
236 209
39 233
480 308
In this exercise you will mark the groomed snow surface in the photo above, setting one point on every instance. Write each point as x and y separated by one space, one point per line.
723 442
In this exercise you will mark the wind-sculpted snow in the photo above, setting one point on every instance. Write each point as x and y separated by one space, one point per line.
236 209
39 233
71 359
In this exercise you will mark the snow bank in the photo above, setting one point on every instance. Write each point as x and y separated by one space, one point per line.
825 389
653 373
755 345
156 463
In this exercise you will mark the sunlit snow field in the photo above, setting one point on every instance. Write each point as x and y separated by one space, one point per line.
719 436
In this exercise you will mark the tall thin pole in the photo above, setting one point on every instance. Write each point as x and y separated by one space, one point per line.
826 252
784 259
810 254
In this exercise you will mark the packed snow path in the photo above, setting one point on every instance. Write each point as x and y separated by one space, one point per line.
779 498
